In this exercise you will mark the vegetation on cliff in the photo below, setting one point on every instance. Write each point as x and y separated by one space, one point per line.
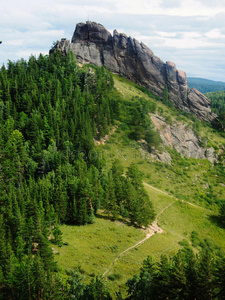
52 113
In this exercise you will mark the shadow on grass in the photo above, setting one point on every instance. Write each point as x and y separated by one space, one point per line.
217 220
110 218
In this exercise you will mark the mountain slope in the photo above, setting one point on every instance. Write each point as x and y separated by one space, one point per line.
78 145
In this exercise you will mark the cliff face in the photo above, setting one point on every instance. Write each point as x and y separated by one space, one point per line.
123 55
178 136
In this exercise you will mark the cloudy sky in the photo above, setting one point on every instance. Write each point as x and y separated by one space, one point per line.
189 32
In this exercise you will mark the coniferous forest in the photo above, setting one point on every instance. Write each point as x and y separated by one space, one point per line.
51 172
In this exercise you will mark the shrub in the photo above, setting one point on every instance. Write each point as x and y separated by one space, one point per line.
114 277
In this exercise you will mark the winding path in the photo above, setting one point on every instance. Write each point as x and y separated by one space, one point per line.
153 228
171 196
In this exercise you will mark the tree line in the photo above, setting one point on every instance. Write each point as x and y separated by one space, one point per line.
185 275
217 101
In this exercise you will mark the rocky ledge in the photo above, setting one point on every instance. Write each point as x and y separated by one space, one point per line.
180 137
92 43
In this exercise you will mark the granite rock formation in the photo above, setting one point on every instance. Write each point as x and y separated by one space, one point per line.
182 138
92 43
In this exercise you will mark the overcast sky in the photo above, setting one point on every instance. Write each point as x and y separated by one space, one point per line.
189 32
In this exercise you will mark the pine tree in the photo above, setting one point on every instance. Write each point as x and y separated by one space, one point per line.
205 274
96 290
163 277
3 244
110 204
178 278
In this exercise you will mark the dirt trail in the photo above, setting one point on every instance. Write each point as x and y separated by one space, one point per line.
152 229
158 190
184 201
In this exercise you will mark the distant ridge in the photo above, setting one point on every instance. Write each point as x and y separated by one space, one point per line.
205 85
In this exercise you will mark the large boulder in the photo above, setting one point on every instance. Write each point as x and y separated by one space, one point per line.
123 55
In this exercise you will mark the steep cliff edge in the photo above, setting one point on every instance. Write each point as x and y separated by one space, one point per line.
92 43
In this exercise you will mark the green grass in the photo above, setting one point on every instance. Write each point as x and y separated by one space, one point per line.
94 247
208 135
189 179
183 219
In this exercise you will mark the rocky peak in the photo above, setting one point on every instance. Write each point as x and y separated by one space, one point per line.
91 32
124 55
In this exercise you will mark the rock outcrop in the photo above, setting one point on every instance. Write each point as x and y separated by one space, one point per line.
182 138
92 43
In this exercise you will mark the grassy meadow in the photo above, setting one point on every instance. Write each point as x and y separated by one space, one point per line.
94 247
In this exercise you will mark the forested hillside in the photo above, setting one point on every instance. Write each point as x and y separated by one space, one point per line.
218 106
217 101
51 172
52 113
205 85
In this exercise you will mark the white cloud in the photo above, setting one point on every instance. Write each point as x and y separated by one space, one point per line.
175 30
171 3
214 34
186 43
15 43
168 7
183 42
167 34
210 3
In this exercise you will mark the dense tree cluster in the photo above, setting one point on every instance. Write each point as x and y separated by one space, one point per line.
50 171
51 111
141 127
218 106
185 275
217 101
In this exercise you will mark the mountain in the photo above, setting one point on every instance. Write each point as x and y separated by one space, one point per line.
82 146
205 85
125 56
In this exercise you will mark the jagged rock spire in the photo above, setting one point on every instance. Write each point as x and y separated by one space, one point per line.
124 55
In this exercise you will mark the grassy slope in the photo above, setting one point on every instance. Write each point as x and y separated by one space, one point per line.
94 247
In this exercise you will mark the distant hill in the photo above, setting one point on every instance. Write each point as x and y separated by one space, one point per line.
217 101
205 85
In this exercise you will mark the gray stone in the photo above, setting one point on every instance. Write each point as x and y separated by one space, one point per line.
164 157
92 43
182 138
